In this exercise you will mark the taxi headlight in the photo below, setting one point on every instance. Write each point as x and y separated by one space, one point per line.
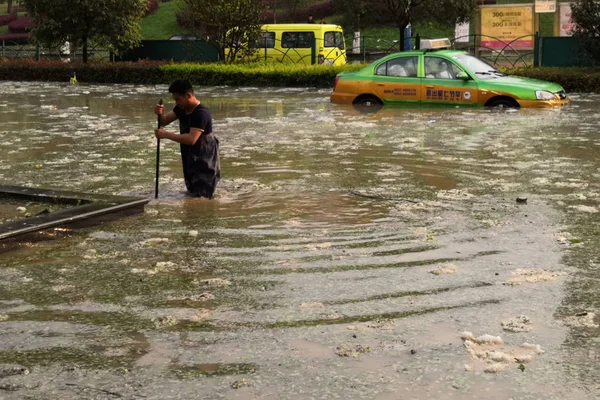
544 95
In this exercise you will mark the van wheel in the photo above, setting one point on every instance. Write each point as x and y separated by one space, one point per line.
502 103
367 103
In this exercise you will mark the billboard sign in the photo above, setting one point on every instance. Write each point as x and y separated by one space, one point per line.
501 25
545 6
462 32
566 23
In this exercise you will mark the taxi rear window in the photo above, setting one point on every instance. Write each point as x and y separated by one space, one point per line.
401 67
298 40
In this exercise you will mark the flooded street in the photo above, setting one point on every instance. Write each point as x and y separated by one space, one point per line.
346 256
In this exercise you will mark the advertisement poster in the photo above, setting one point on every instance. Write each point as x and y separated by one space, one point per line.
566 23
503 25
462 32
545 6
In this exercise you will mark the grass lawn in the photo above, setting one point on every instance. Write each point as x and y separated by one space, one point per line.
382 38
163 23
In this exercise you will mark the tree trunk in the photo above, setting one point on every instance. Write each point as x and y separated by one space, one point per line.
85 50
9 8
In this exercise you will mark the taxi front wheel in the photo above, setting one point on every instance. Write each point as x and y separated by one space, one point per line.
502 103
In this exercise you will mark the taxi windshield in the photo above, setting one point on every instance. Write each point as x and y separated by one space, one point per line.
478 67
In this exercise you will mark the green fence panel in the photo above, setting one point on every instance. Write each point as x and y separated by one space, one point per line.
560 52
172 50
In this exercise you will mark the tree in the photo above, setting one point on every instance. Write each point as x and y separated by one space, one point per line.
401 13
227 25
111 23
586 15
355 13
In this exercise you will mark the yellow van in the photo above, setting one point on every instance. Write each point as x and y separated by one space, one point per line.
293 43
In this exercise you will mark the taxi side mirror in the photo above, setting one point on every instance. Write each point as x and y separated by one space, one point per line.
463 75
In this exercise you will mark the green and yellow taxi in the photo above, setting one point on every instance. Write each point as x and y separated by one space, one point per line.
436 75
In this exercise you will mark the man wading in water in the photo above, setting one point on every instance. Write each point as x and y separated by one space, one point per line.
199 146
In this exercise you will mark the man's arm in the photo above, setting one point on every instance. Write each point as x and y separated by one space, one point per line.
168 118
187 138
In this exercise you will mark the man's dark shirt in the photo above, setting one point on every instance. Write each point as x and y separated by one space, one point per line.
201 167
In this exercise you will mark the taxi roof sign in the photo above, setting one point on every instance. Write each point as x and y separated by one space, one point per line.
435 44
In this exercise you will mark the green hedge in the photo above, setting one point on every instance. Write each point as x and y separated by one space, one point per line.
163 73
574 80
282 75
56 71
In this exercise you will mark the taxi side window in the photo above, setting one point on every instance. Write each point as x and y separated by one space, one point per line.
440 68
402 67
298 40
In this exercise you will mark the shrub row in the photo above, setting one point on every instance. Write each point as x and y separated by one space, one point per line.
255 74
57 71
259 74
20 25
16 38
7 19
573 80
147 72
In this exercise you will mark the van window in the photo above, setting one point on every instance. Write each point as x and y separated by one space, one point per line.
267 40
334 39
299 40
402 66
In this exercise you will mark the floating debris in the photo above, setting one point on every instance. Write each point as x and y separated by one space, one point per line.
216 282
521 323
380 324
446 269
240 383
497 355
583 320
195 297
154 241
161 322
485 339
351 351
532 275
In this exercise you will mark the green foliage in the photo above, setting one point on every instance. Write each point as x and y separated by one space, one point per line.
226 24
57 71
401 13
282 75
574 80
258 74
109 23
163 23
586 15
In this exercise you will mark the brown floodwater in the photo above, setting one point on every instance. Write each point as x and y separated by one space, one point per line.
343 257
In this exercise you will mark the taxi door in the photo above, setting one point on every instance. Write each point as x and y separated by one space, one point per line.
397 80
443 85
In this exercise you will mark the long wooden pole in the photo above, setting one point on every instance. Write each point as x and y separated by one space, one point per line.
160 102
